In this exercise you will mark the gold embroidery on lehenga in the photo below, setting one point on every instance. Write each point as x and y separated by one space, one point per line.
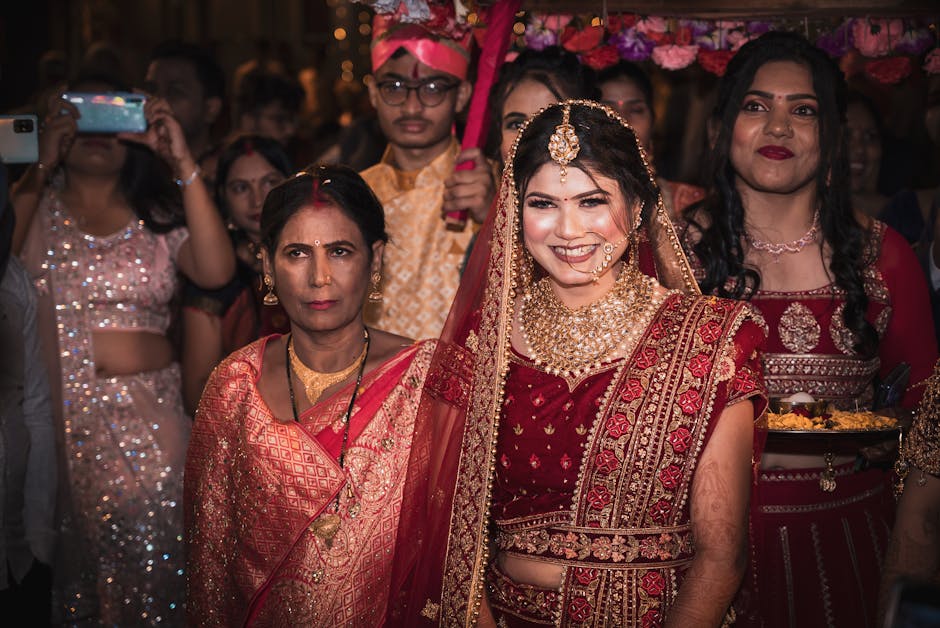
798 328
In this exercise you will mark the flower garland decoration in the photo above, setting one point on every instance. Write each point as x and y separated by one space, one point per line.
888 45
675 43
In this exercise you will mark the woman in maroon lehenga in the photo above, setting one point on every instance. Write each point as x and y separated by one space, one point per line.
846 303
584 419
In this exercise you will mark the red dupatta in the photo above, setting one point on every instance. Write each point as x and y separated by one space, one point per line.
451 463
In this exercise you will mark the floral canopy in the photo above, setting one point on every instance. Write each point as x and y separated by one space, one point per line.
885 41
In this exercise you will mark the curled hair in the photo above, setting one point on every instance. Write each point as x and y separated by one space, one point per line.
609 149
336 185
719 218
558 70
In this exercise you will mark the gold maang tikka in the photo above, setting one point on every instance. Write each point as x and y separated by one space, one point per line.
563 145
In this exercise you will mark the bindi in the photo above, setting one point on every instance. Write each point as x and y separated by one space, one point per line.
414 71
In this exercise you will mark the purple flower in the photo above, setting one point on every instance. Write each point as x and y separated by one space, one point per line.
632 45
914 41
757 27
697 27
539 39
837 42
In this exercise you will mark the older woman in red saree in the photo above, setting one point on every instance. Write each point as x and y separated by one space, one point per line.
585 420
295 470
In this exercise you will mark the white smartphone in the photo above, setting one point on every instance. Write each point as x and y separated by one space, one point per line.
19 139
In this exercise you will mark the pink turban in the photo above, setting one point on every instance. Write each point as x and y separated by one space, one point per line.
439 52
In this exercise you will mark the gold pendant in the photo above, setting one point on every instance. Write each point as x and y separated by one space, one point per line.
827 479
325 527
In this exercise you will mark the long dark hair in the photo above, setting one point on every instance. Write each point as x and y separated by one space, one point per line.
608 149
719 218
335 184
558 70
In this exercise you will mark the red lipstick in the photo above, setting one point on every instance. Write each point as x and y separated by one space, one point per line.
320 305
775 152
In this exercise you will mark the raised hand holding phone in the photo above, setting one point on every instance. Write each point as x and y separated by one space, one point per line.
56 133
164 136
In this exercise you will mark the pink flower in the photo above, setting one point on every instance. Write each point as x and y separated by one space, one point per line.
556 22
874 38
932 62
736 39
651 24
674 57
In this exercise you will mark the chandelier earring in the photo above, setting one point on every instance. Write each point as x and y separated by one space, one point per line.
270 298
375 289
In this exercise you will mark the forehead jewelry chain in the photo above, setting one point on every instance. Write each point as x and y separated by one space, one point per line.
794 246
563 145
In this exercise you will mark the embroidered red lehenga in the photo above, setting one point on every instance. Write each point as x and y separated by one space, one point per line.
255 484
592 475
819 555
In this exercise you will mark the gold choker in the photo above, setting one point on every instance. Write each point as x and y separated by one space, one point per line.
570 342
316 382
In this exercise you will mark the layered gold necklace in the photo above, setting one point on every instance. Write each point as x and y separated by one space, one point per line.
568 342
316 382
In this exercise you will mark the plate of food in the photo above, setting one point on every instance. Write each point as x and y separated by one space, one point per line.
800 416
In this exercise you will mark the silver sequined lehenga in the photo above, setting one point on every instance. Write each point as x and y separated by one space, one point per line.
120 553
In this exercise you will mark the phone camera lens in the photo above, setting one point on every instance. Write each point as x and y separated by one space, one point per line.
23 126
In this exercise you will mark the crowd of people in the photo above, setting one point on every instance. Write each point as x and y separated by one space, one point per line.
244 390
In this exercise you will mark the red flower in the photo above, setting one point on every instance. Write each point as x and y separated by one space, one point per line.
580 609
690 401
600 57
653 583
504 460
659 511
710 331
584 575
657 330
632 390
647 358
575 40
598 497
889 71
670 477
565 462
699 365
680 439
683 36
534 461
651 619
618 425
537 399
606 462
715 61
620 21
745 382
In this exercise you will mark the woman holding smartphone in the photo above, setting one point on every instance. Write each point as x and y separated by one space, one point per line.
104 231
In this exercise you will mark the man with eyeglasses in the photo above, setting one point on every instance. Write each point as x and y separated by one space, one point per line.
419 87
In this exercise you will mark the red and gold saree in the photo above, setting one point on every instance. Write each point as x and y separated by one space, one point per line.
255 484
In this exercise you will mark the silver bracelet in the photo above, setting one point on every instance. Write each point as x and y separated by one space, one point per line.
189 180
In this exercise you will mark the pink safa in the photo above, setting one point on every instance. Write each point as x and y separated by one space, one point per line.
441 53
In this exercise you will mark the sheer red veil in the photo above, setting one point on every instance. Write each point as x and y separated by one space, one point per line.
438 567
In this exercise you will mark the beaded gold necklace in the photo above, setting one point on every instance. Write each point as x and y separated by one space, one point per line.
570 342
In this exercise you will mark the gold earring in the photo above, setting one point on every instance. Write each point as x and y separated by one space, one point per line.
270 298
375 292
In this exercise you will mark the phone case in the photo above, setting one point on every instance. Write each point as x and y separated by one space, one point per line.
19 139
112 112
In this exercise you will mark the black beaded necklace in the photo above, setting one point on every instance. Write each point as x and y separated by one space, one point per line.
352 398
